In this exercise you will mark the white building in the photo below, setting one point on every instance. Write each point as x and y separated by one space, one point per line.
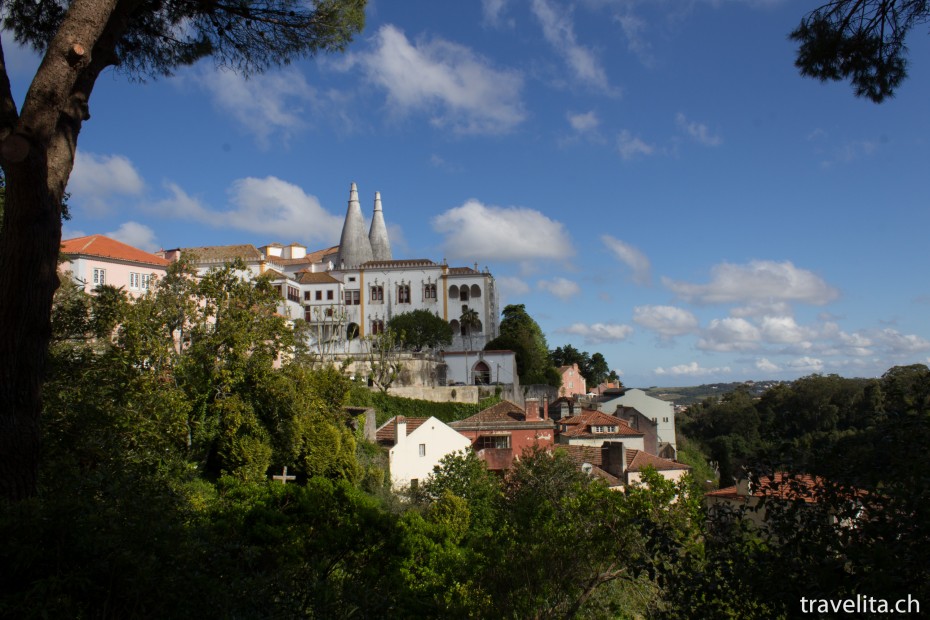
352 290
481 368
415 446
96 260
659 411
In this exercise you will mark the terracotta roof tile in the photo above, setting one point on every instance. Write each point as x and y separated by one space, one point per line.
637 460
782 485
584 454
385 433
307 277
580 425
104 247
245 251
504 411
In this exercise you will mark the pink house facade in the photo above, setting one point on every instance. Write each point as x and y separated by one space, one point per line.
96 260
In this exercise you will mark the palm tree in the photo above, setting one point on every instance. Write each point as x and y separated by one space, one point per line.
470 322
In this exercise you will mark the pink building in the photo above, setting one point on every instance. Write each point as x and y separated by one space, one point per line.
97 260
572 381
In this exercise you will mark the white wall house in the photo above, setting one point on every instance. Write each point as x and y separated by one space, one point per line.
415 446
98 260
656 409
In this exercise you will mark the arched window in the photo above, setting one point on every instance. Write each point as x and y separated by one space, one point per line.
453 292
377 294
403 293
463 293
482 373
475 291
377 327
352 331
429 292
456 328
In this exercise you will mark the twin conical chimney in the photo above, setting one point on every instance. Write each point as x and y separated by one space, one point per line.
355 247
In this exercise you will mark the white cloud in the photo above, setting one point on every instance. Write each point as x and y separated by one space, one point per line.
667 321
597 333
805 364
501 233
584 122
631 147
758 281
765 365
493 11
511 287
267 206
730 334
560 287
559 32
897 343
850 152
784 330
96 179
276 207
691 370
631 257
266 105
137 235
762 308
698 131
456 86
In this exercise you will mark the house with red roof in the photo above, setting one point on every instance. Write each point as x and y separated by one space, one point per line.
620 466
97 260
415 446
593 428
504 431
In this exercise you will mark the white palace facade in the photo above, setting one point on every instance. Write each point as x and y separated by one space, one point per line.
352 290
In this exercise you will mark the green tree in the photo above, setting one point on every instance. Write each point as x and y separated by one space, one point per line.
470 322
522 335
859 40
79 40
421 329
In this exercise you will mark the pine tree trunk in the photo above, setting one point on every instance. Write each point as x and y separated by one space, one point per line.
29 244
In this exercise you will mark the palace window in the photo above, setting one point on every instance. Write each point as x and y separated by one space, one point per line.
100 276
429 292
293 294
329 295
352 298
403 294
376 294
377 327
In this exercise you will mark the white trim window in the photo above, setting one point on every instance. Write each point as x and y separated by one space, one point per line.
146 279
100 276
134 280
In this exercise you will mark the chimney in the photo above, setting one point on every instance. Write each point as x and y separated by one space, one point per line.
742 487
400 429
614 457
532 410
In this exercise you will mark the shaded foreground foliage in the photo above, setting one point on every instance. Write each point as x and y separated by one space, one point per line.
166 416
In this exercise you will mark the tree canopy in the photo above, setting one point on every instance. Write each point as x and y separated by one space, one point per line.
593 367
79 40
522 335
859 40
419 329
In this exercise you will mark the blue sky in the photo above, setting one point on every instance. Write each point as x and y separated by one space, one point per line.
653 179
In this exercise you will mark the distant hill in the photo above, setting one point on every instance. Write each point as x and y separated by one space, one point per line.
697 393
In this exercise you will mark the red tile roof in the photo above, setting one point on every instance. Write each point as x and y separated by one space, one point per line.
784 486
584 454
308 277
580 425
104 247
504 411
385 434
637 460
